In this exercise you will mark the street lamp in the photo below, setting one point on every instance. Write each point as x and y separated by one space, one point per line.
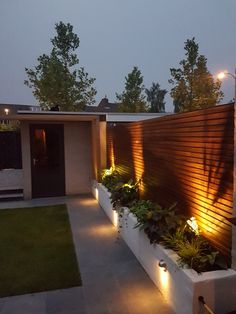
223 74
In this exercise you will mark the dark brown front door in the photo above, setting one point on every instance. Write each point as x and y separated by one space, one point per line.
47 160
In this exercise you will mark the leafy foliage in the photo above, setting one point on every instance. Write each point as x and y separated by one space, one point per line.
132 98
110 178
194 86
142 209
55 80
193 251
197 254
163 225
124 194
12 126
158 220
173 240
155 97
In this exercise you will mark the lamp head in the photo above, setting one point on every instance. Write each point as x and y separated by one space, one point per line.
221 75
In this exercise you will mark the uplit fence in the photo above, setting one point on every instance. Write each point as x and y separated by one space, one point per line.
185 158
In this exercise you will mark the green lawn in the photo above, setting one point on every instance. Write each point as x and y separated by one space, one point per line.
36 250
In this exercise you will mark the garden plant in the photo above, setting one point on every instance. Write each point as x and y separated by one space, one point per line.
163 225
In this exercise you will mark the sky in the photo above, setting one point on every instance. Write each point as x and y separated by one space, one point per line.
114 37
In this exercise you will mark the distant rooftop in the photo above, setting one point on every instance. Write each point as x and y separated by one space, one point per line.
103 106
13 108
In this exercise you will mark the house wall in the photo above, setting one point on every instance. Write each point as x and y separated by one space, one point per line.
78 157
26 160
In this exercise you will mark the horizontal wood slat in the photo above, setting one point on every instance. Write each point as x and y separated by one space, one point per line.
187 158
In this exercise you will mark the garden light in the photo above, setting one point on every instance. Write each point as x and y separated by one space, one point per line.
192 223
107 172
163 265
128 185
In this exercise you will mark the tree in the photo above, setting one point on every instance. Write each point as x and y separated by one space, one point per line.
194 86
55 80
155 96
132 99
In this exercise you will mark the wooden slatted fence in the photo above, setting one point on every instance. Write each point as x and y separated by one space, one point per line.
185 158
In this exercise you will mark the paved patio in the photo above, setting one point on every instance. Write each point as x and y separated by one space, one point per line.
113 280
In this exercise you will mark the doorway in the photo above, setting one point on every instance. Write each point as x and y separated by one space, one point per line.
47 160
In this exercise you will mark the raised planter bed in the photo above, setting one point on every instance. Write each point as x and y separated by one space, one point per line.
180 287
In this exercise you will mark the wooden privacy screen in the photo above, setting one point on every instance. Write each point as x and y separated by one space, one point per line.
185 158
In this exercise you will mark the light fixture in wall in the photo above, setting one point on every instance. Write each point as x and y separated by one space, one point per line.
162 264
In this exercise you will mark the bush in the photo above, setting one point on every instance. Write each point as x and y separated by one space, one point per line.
155 220
110 178
124 193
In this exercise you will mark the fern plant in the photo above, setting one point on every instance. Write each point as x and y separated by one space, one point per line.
173 241
195 255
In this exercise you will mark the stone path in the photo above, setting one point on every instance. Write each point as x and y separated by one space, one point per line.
113 280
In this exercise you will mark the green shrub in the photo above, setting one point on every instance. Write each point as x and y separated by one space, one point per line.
110 178
155 220
172 241
197 254
124 193
142 209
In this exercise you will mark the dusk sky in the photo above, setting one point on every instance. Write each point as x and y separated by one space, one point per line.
114 37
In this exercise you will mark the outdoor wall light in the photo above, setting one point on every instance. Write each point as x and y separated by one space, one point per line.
162 264
192 223
6 111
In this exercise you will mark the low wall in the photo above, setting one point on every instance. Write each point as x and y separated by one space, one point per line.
11 179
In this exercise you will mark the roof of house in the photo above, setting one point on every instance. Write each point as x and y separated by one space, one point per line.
13 108
103 106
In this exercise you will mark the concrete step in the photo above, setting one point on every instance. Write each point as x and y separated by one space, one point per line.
10 195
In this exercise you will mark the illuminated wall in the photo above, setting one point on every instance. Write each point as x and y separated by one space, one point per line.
185 158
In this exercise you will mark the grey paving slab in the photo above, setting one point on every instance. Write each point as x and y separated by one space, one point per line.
25 304
113 280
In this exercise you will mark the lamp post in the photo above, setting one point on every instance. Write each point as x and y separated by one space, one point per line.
223 74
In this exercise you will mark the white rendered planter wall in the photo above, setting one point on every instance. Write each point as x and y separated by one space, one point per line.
180 287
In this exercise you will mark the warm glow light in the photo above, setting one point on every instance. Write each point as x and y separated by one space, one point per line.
115 218
164 278
138 159
112 155
128 185
87 202
107 172
96 194
192 223
6 111
101 231
221 75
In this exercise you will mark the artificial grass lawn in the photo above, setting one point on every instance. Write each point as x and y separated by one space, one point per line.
36 250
